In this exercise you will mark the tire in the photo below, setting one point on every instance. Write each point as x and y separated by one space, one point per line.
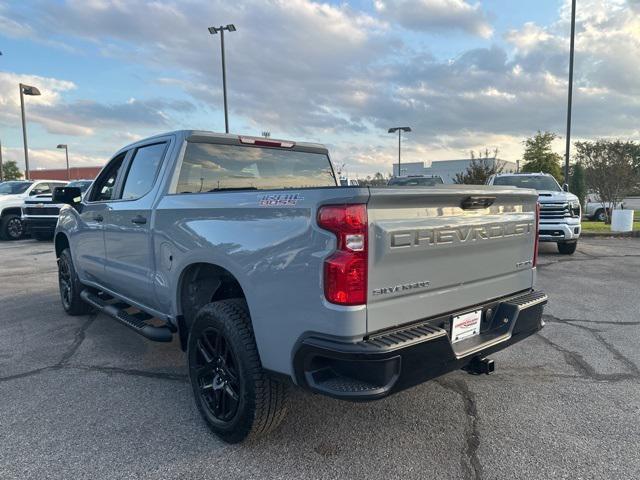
42 237
70 286
11 227
236 397
600 215
567 248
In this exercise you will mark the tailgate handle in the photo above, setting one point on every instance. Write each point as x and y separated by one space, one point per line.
474 203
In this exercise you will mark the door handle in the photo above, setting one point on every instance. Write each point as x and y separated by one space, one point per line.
139 220
98 218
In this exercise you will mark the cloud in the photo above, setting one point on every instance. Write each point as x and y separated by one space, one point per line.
331 73
437 15
51 158
83 117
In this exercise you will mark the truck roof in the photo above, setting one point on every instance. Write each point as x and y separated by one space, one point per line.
228 136
530 174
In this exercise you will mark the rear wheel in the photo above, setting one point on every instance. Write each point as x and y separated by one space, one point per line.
11 227
600 215
567 248
70 286
235 396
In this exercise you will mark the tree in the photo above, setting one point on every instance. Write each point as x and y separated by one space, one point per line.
538 156
577 182
378 180
10 171
480 168
611 169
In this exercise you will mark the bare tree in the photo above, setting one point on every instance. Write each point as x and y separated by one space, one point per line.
482 166
611 169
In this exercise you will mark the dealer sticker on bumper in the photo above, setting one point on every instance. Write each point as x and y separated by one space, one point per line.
465 326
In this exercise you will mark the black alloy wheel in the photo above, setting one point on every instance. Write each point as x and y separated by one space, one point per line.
215 368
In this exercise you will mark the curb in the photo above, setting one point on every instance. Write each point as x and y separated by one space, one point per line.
634 234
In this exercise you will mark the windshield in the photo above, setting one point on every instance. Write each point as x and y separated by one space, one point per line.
13 188
209 167
537 182
415 181
81 184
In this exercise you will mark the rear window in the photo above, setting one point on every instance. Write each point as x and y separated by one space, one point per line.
208 167
537 182
415 181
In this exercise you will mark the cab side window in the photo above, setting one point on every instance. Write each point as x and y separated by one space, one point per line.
104 187
142 171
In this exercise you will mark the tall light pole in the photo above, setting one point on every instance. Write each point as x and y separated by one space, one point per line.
1 170
33 91
213 31
66 151
571 49
399 130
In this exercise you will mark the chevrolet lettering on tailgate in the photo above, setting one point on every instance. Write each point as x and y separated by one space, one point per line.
426 237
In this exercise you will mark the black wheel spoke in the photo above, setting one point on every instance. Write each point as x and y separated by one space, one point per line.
215 373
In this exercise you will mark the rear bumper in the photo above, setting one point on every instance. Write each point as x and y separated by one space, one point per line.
391 361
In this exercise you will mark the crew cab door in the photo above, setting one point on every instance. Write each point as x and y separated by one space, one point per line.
88 241
130 264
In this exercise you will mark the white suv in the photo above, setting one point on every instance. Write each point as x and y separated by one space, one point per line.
559 209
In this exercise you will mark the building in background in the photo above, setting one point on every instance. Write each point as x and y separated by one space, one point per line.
75 173
447 169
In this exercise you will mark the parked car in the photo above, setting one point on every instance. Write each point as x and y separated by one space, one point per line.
594 209
559 209
12 196
416 181
40 214
269 272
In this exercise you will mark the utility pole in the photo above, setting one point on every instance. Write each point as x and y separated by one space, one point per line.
399 130
569 101
1 170
213 31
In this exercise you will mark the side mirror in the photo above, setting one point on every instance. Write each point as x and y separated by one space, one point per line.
68 195
565 187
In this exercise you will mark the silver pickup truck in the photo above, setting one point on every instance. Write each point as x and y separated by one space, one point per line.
269 273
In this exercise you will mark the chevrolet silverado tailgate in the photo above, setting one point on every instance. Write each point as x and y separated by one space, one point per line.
436 250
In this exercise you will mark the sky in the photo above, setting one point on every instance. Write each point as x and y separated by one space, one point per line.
463 74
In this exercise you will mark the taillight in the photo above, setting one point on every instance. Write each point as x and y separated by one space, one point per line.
345 271
537 239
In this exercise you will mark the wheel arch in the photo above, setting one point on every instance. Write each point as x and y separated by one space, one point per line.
61 242
200 283
10 210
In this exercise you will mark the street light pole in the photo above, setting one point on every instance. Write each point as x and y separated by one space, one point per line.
66 151
1 170
33 91
399 130
213 31
569 101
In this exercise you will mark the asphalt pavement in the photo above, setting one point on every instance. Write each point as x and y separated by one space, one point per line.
83 397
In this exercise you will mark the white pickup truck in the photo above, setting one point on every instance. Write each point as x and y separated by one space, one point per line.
559 209
12 197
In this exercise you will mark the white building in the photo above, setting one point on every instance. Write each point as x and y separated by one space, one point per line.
446 169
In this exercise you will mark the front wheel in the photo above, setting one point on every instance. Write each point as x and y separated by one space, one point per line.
600 215
567 248
11 227
70 286
235 396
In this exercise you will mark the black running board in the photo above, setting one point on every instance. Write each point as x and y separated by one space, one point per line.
157 334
